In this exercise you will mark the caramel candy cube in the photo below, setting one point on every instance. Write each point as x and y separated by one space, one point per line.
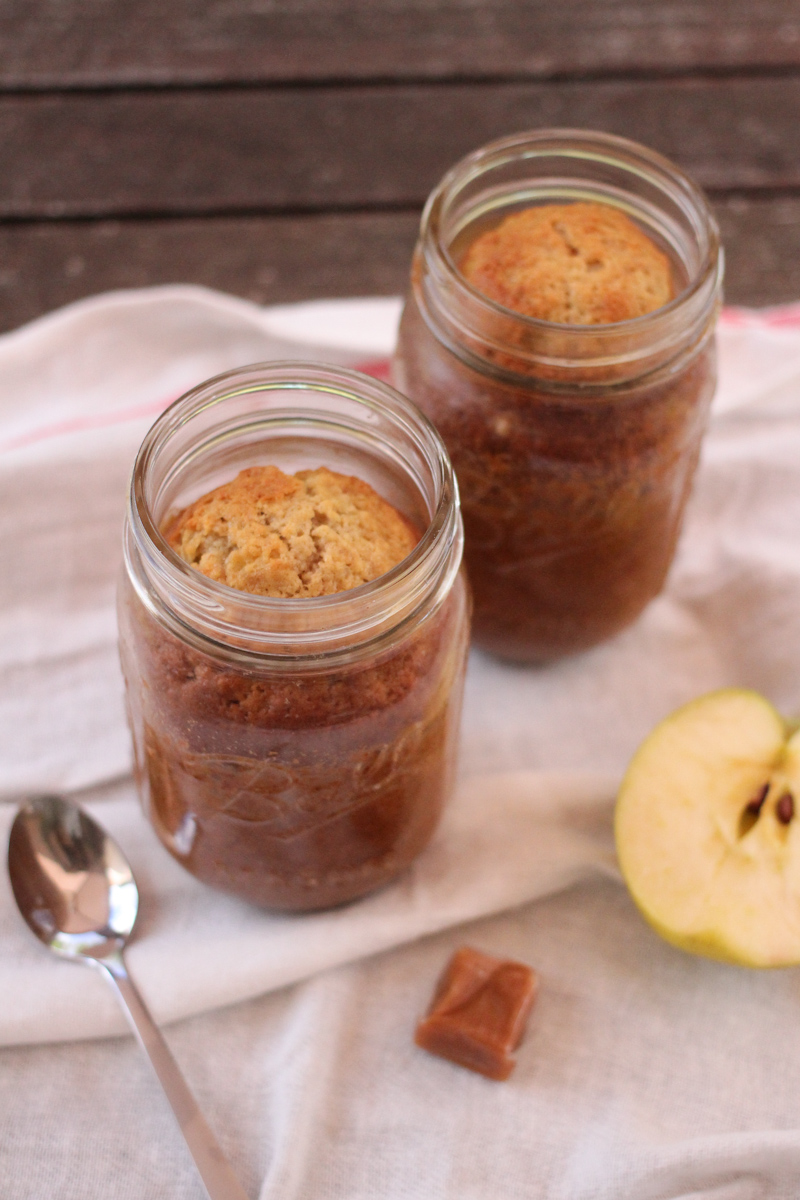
478 1012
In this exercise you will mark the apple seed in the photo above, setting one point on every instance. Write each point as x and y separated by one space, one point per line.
752 810
784 809
757 803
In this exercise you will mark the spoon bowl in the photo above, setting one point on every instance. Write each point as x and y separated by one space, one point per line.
72 883
76 891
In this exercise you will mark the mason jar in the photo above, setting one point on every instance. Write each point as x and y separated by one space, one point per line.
574 445
295 752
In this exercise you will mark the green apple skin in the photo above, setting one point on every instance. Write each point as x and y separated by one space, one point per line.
706 879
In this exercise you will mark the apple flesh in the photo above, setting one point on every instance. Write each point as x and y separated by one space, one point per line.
707 837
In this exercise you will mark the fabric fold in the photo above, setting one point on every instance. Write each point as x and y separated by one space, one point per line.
506 839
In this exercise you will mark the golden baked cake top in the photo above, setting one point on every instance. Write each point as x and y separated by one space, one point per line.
577 264
309 534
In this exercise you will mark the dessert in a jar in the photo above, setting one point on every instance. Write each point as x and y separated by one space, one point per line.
559 333
293 632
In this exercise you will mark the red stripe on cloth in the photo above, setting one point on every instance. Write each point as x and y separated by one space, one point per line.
378 368
83 424
785 316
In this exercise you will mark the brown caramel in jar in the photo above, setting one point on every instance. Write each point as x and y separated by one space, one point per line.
296 789
572 500
564 352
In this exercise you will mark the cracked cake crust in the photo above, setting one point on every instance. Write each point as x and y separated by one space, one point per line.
310 534
577 264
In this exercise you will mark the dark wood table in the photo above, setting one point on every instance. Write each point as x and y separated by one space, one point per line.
282 149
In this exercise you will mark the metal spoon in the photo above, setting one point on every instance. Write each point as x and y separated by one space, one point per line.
75 888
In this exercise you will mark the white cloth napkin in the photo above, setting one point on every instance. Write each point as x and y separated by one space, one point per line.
646 1074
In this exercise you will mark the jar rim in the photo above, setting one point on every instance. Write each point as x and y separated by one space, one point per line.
694 303
267 627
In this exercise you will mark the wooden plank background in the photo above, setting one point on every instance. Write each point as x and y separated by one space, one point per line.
282 149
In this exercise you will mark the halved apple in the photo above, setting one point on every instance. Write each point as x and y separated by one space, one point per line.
707 837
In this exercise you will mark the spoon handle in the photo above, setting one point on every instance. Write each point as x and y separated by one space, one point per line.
215 1171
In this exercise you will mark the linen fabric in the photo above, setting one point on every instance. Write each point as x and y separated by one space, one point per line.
645 1075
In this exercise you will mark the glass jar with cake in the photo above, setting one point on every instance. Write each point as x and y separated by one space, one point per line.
293 632
559 333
